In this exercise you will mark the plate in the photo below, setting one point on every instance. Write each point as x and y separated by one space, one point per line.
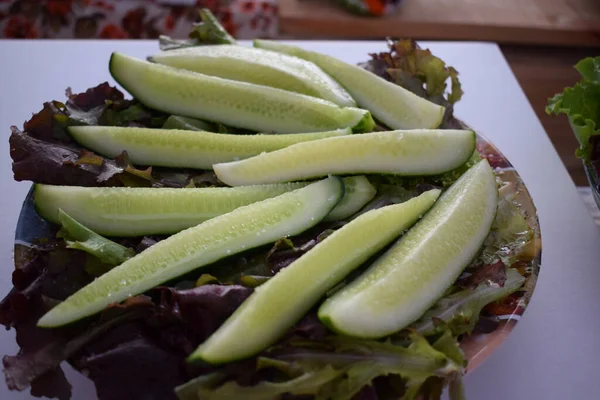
503 315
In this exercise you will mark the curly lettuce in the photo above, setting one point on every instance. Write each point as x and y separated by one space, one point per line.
581 104
338 368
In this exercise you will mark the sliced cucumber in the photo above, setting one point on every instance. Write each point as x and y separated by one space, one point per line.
393 105
244 228
405 281
238 104
151 211
184 149
281 301
415 152
147 211
358 192
188 124
258 66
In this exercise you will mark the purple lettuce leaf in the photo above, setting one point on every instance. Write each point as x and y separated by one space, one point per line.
43 151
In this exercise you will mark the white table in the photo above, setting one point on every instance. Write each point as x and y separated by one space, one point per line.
554 351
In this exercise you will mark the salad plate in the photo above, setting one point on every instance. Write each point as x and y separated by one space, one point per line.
142 346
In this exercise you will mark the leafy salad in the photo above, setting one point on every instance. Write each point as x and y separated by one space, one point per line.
259 223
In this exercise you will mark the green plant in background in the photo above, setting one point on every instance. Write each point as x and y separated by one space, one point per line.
581 104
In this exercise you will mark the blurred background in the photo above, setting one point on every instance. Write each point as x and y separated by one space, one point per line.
541 39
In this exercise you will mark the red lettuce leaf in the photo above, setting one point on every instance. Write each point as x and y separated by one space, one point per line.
491 274
416 69
188 317
45 153
135 369
30 364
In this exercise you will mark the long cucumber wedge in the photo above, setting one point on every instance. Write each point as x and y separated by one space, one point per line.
358 192
393 105
244 228
280 302
258 66
184 148
150 211
414 152
406 280
238 104
118 211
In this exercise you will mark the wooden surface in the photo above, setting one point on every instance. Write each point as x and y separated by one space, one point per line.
543 72
555 22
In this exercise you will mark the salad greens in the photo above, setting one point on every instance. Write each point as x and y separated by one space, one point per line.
416 69
581 104
140 345
77 236
339 368
458 312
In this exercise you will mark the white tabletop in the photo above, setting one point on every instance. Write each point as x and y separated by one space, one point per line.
552 354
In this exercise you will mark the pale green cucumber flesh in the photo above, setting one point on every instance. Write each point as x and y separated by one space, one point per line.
280 302
358 192
188 124
406 280
244 228
393 105
409 153
233 103
258 66
147 211
185 148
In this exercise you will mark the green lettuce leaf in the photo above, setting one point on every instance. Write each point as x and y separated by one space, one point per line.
581 104
415 364
79 237
456 391
459 311
364 360
207 32
448 345
444 180
336 368
308 382
509 234
589 68
190 390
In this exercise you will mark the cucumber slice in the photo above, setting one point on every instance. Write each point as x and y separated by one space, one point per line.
393 105
358 192
281 301
416 152
187 124
244 228
184 149
258 66
238 104
117 211
405 281
152 211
